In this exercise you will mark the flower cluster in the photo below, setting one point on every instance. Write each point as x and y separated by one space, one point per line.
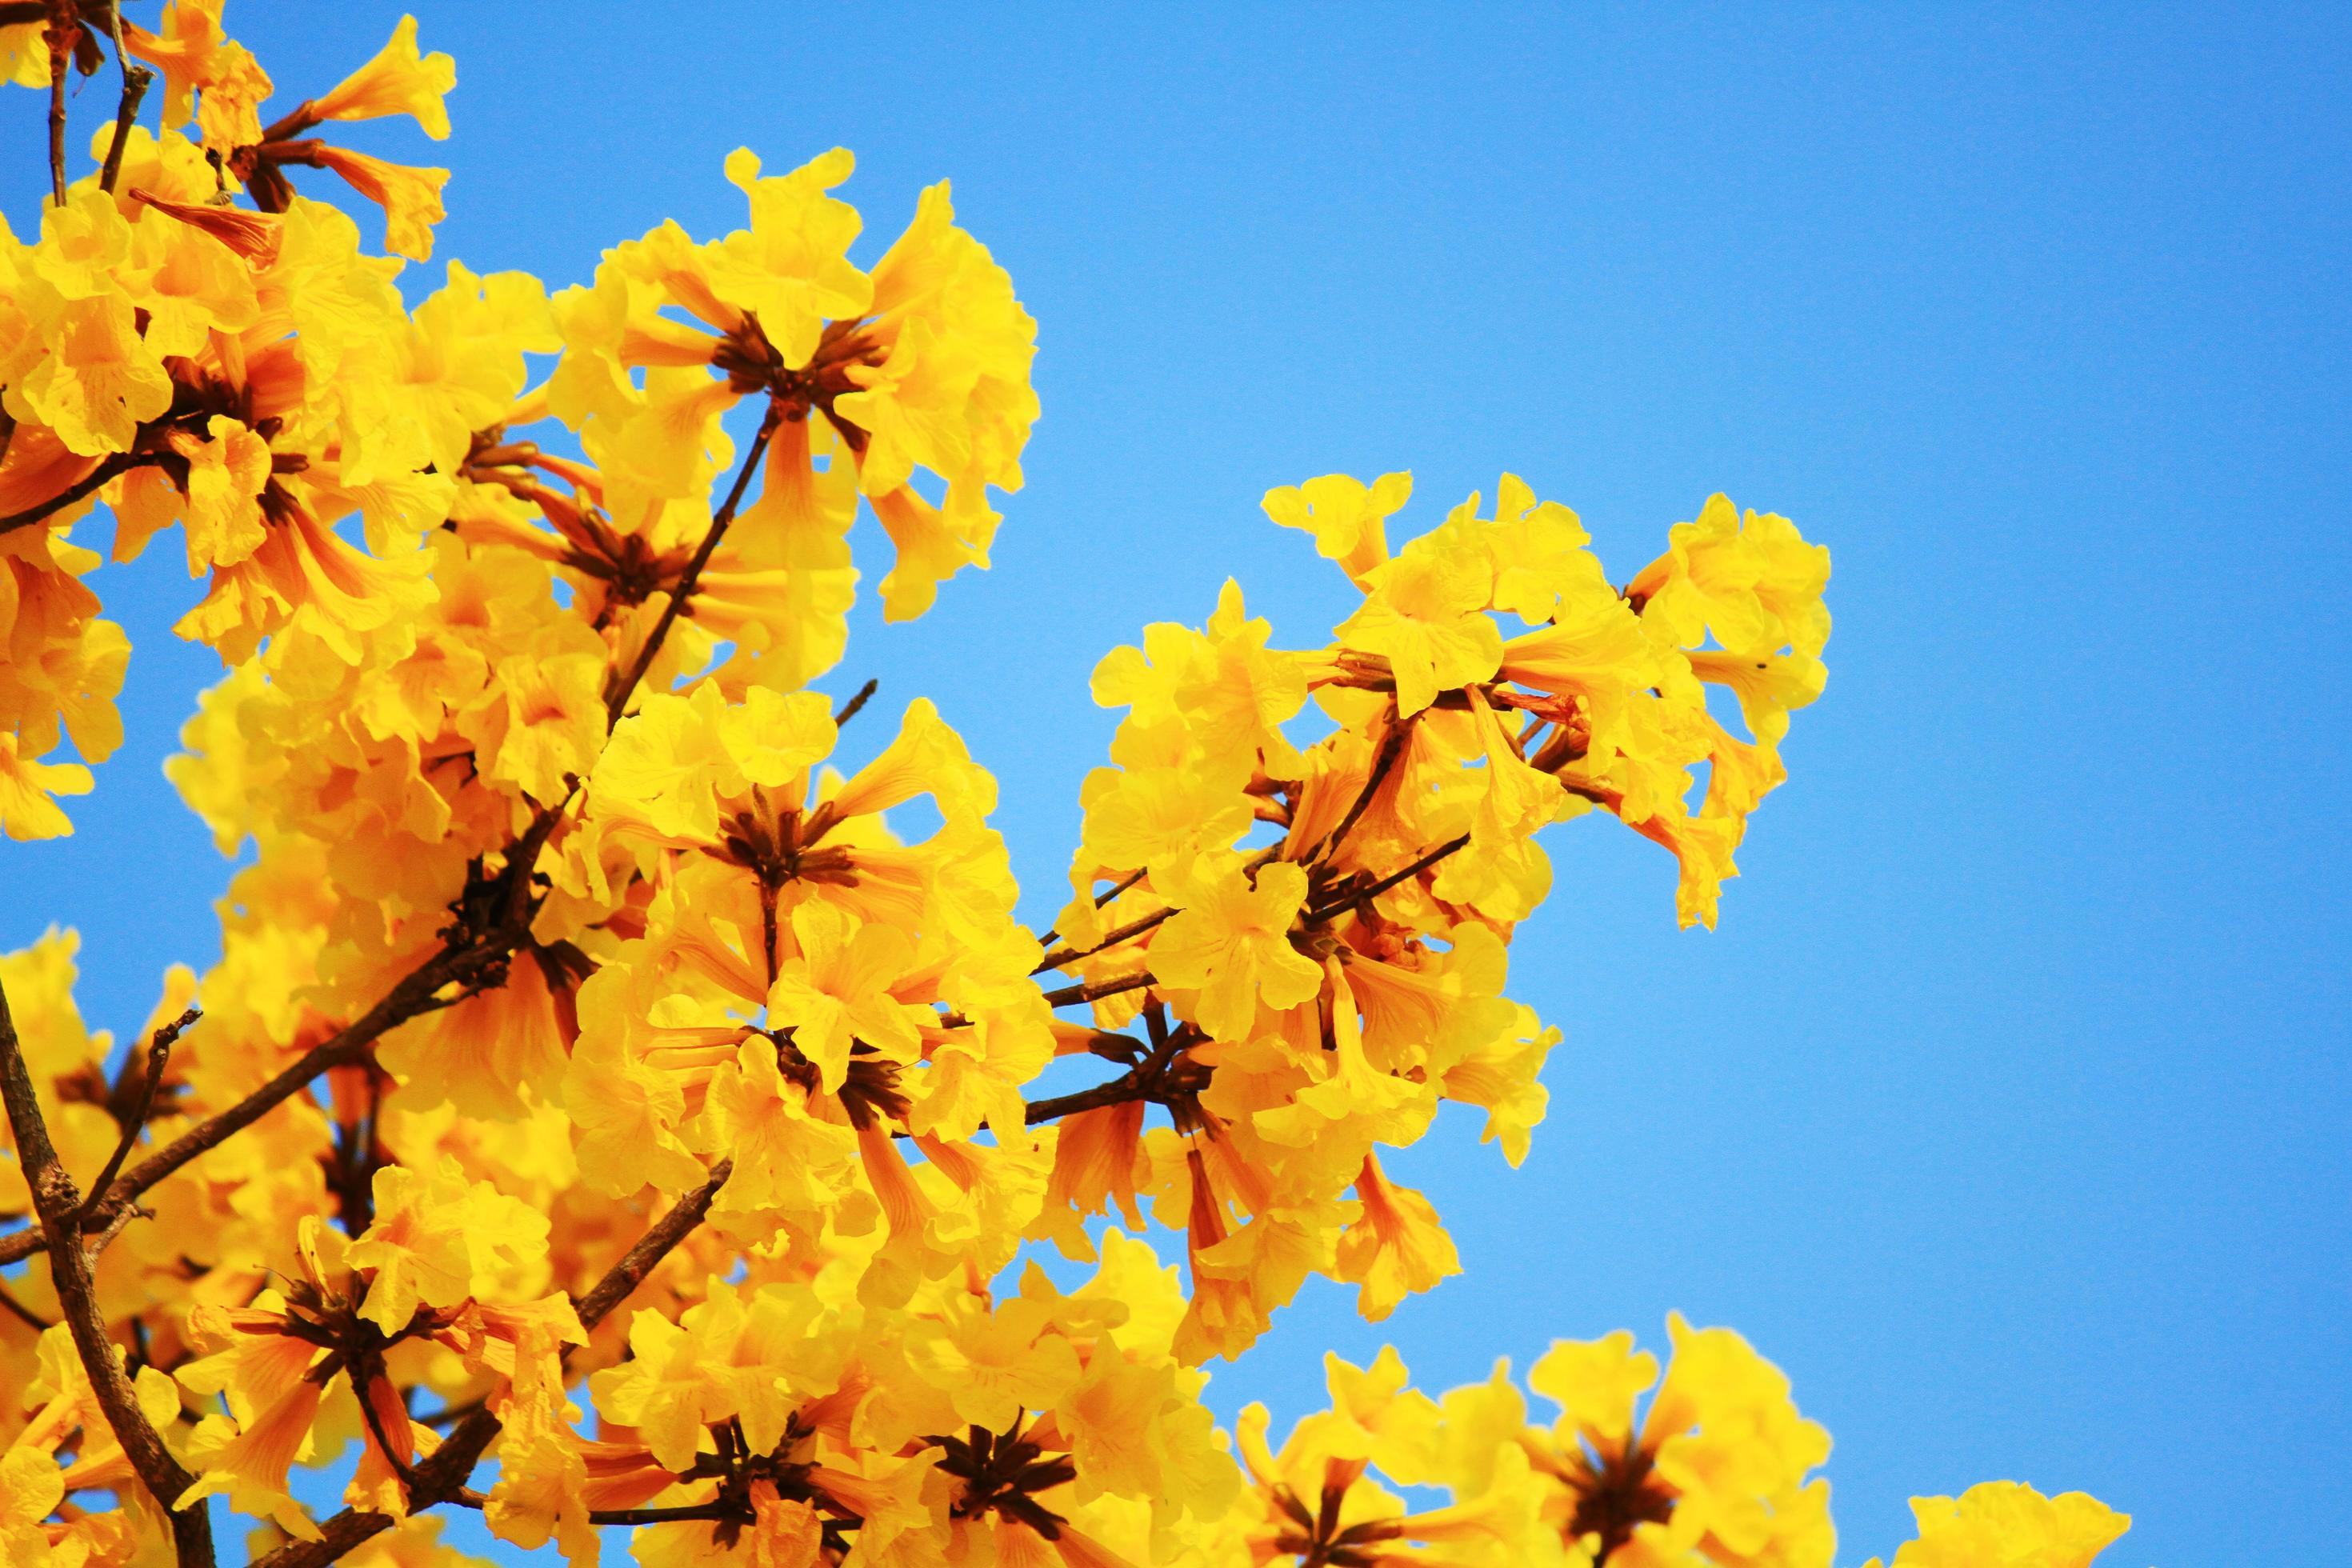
600 1081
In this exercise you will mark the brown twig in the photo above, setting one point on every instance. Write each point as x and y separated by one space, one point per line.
1095 990
412 997
1154 1078
120 463
59 1206
652 1247
1106 896
441 1478
1391 748
122 1216
24 1314
715 1511
136 80
61 18
1112 1091
865 694
1365 895
450 1414
678 596
159 1055
1133 928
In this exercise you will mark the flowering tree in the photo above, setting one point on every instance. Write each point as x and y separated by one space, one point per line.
569 976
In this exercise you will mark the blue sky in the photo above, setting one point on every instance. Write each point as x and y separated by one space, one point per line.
2007 1109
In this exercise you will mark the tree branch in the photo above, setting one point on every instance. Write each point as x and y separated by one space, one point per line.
159 1055
619 701
1364 895
1133 928
865 694
24 1314
1157 1078
120 463
1095 990
136 80
60 1209
1391 748
653 1247
715 1511
1118 1090
441 1478
61 18
414 996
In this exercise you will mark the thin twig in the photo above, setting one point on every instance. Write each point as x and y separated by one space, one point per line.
414 996
59 1206
1365 895
1106 896
1134 928
865 695
136 80
1146 1080
60 18
714 1511
1113 1092
159 1055
122 1216
24 1314
1391 748
1095 990
678 596
652 1247
442 1477
451 1413
120 463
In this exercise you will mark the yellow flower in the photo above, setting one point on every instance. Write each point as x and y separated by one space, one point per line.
1714 1474
791 269
228 468
30 1489
97 380
1425 612
410 197
1346 516
1229 941
26 810
196 57
397 81
1398 1248
434 1237
949 390
836 988
2013 1525
1754 583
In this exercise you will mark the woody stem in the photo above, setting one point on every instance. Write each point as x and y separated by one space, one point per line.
59 1205
441 1478
618 702
59 38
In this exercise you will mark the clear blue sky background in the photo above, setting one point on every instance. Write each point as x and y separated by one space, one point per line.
2008 1109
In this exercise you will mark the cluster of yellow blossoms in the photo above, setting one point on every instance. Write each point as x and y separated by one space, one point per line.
570 970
